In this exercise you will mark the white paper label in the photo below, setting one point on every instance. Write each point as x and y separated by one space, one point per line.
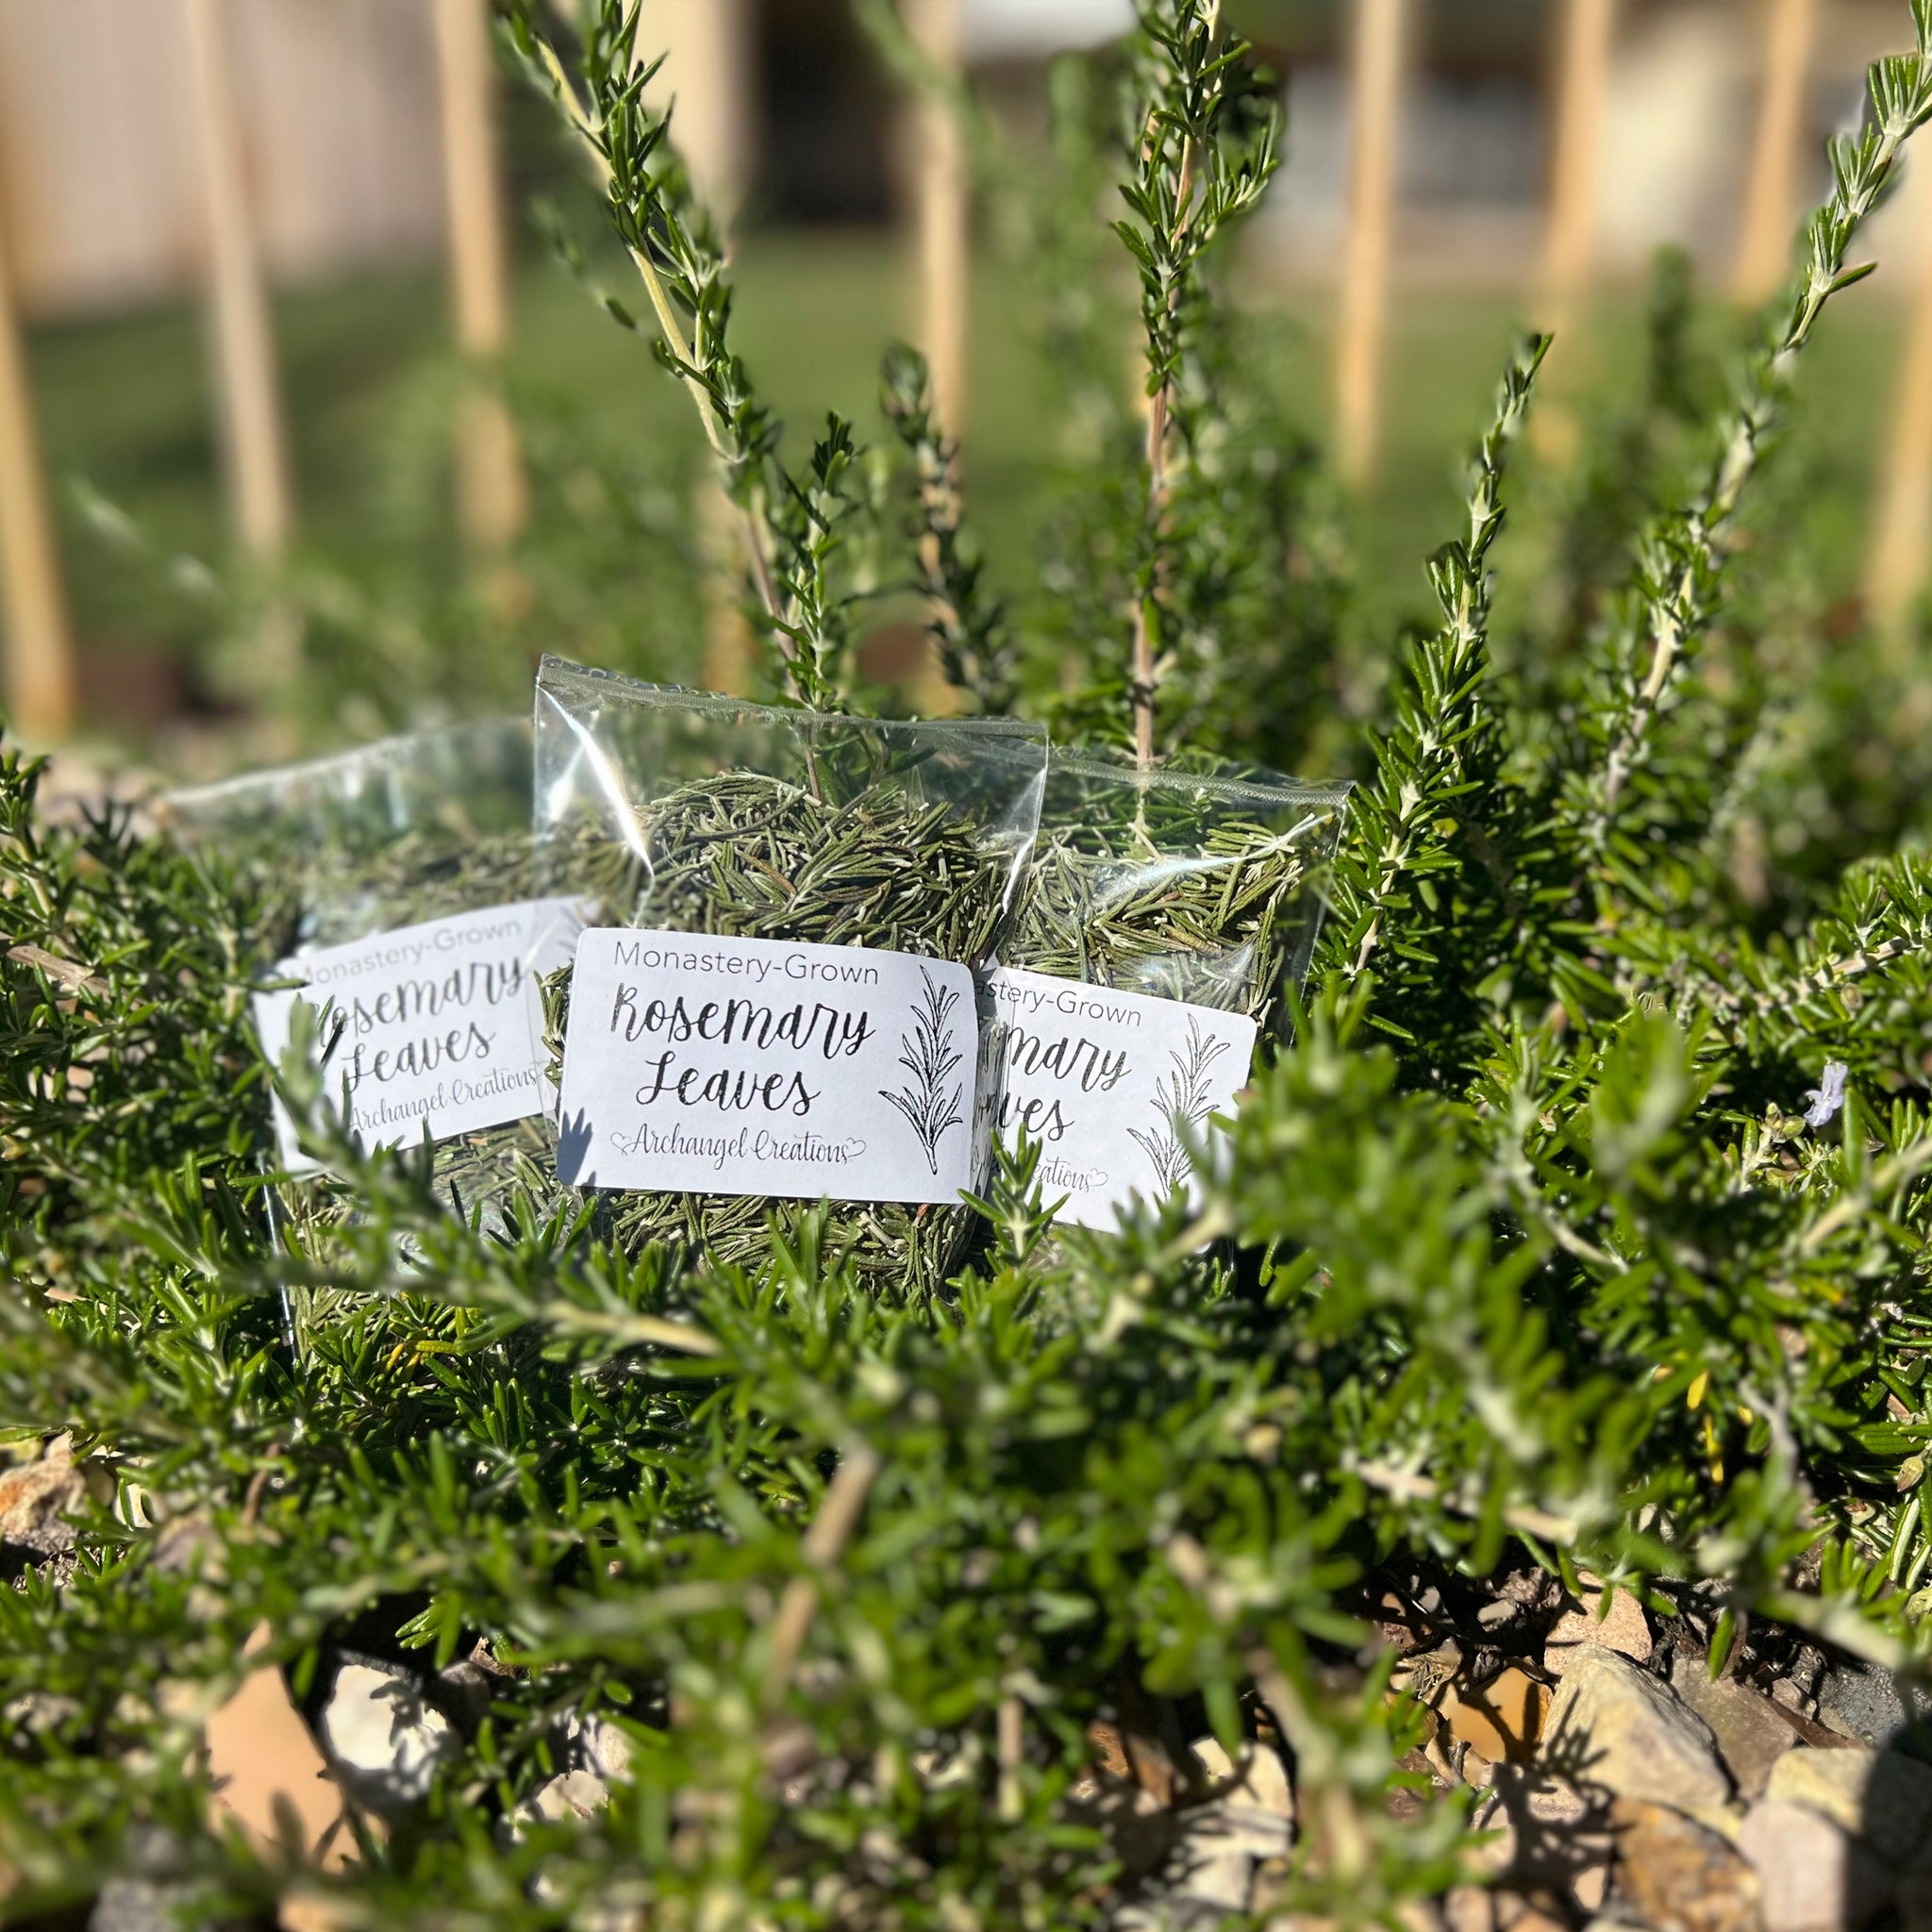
1105 1082
730 1066
439 1023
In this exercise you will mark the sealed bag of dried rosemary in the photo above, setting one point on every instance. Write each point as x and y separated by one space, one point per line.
1165 914
774 1002
394 889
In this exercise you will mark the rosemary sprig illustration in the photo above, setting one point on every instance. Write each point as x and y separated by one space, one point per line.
1185 1102
927 1054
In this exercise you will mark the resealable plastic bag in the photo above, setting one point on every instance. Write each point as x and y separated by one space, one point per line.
1165 916
394 889
703 1085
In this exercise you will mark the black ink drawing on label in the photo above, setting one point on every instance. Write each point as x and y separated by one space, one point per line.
1184 1097
928 1055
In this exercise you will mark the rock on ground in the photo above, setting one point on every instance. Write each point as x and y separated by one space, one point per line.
37 1498
1813 1874
384 1740
315 1912
1865 1702
1623 1731
1224 1846
1547 1838
1500 1720
1751 1736
137 1905
569 1794
1677 1876
1622 1626
266 1769
1876 1795
1259 1780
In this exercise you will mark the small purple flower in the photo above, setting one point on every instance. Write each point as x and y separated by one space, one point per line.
1828 1098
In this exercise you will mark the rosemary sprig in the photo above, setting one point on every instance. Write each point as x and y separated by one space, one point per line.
1186 1107
1676 585
930 1061
1199 167
967 627
1441 750
794 523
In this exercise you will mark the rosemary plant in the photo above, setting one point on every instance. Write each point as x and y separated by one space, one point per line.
968 627
1581 1225
1186 891
1673 595
1205 154
1431 806
792 521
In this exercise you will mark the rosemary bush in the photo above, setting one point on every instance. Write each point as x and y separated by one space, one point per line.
1528 1250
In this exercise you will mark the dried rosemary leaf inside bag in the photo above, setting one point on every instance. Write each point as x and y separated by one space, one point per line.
1191 898
394 888
679 813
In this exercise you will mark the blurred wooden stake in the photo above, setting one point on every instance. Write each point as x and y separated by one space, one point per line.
1764 248
1583 65
41 679
705 80
1583 68
709 78
943 212
256 445
731 647
1379 49
491 502
1900 555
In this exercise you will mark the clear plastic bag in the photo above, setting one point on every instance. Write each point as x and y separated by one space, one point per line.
394 888
1166 885
678 812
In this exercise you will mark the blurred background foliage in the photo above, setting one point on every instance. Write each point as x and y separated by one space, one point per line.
403 626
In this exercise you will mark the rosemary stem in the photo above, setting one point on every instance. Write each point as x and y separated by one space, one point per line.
684 353
1158 410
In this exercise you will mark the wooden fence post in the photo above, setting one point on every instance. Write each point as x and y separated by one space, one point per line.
244 340
709 75
1582 69
41 677
1375 69
1584 34
255 441
943 215
1900 559
1764 246
491 497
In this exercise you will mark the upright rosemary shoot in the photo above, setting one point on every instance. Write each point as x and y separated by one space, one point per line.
1207 151
792 521
968 626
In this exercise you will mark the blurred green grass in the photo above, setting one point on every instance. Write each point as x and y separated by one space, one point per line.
126 405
